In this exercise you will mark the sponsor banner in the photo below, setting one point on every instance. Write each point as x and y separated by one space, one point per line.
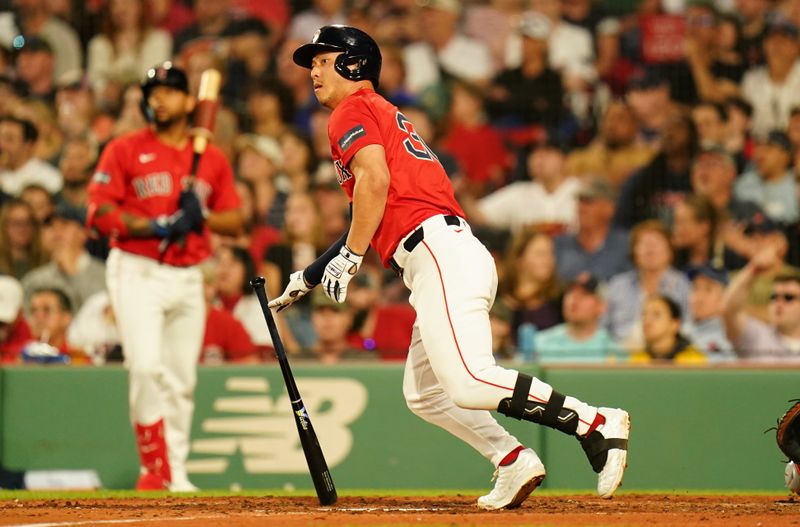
244 435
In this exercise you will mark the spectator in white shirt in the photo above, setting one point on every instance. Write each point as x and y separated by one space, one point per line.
549 200
571 48
773 89
124 49
445 50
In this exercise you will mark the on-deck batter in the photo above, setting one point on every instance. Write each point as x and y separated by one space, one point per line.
404 207
139 197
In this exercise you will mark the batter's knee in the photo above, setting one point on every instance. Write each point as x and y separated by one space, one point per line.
145 373
463 395
423 403
414 400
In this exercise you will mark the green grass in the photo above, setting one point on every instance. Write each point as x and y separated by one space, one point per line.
125 494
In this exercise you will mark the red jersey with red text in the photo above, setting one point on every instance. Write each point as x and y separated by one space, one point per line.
144 177
419 187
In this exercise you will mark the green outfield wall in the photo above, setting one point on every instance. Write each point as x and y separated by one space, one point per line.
691 428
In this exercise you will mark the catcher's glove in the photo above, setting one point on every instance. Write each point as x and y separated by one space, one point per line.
788 432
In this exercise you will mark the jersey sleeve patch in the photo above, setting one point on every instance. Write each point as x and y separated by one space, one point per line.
350 137
101 178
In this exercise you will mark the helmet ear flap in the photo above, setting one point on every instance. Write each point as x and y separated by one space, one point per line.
344 66
144 106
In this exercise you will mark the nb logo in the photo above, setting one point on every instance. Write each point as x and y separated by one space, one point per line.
251 427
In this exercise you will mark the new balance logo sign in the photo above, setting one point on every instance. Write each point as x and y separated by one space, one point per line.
146 158
255 431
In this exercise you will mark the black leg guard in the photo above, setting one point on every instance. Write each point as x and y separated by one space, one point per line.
11 479
596 448
552 413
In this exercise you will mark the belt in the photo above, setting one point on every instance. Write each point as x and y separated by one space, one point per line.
415 238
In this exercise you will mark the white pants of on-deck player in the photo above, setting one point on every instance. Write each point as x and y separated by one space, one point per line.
161 314
451 377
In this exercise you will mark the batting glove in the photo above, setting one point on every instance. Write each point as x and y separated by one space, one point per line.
339 272
190 204
174 227
295 290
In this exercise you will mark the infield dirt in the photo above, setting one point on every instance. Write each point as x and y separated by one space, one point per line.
629 510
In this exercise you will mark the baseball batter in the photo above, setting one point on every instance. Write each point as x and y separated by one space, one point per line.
403 206
139 196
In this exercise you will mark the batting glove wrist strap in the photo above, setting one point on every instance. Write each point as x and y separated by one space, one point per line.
160 226
338 273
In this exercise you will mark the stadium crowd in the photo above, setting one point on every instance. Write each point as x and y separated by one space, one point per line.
632 165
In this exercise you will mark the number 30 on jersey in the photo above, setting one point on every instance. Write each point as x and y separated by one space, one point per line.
414 143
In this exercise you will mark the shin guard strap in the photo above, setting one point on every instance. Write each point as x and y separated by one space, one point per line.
516 405
553 409
596 448
520 397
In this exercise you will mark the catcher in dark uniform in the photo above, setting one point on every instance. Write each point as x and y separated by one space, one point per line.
788 437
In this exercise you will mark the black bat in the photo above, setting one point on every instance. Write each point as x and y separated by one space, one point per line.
320 475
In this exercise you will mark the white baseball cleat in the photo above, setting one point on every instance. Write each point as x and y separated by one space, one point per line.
181 483
615 431
514 482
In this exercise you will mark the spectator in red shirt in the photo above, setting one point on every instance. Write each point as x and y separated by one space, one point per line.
225 339
476 146
14 331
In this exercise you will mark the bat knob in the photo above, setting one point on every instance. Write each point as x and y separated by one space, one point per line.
258 281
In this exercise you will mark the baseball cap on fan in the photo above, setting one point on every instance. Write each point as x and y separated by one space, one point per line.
585 281
714 273
67 213
10 299
782 25
319 300
535 26
646 78
265 146
32 45
596 187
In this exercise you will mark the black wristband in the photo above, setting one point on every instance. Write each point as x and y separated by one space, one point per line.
313 273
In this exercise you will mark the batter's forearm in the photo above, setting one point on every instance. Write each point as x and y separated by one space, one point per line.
369 201
138 226
228 222
109 220
313 273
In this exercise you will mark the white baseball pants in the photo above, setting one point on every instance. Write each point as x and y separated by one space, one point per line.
161 314
451 377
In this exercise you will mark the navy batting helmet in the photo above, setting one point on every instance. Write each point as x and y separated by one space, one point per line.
163 75
360 58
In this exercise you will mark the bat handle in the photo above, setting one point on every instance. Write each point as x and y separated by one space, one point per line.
257 284
165 243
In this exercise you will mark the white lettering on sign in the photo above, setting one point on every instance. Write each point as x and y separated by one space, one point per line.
260 428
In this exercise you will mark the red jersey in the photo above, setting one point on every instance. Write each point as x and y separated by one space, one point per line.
225 339
419 187
144 177
19 334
